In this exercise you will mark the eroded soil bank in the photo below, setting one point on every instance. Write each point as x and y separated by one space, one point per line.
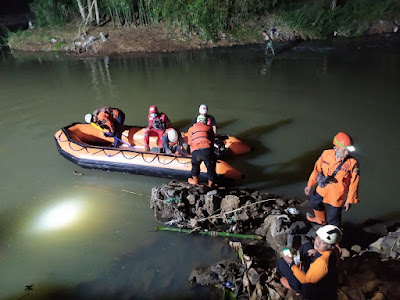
110 40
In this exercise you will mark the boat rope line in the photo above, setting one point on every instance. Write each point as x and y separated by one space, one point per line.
124 153
130 158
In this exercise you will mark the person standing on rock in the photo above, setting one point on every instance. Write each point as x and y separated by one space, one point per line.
201 142
316 277
337 175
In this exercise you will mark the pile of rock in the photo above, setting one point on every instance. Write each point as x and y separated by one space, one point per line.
230 210
364 274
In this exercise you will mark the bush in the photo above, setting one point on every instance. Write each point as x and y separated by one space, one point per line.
52 12
319 21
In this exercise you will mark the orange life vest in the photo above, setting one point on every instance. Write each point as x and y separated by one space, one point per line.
199 136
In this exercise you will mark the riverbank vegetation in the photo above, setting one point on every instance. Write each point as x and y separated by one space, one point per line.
208 20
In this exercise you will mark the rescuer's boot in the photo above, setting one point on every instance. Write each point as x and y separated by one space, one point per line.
319 217
193 180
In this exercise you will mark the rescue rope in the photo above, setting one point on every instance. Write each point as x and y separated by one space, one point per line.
124 153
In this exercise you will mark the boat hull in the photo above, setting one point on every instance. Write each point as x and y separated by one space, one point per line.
87 147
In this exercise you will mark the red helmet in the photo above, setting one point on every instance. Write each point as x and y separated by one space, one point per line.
343 140
153 109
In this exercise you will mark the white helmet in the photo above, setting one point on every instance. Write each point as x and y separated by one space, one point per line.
172 135
330 234
88 118
203 109
201 118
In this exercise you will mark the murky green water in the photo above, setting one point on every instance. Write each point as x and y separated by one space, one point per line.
107 247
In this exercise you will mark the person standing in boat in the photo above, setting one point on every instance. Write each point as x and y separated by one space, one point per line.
201 140
268 43
336 175
158 122
112 119
203 110
174 143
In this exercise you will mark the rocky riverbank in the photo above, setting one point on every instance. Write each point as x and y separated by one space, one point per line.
369 266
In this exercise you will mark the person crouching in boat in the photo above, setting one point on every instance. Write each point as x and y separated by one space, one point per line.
201 142
174 143
158 122
111 119
315 275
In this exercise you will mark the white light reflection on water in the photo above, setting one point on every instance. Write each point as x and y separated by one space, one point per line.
59 216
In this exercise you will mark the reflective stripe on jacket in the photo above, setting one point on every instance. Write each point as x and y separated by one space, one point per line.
347 178
200 136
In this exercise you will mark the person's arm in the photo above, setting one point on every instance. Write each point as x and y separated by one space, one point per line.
190 136
149 122
167 122
352 195
211 136
312 181
318 269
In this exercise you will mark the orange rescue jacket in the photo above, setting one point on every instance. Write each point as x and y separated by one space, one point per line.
200 136
347 178
318 269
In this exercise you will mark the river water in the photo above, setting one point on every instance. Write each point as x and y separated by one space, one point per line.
103 244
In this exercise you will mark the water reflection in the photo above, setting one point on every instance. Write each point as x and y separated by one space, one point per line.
59 216
288 116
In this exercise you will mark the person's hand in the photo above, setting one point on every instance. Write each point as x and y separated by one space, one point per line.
288 259
307 190
311 252
347 206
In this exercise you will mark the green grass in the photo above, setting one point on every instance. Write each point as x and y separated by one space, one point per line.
317 20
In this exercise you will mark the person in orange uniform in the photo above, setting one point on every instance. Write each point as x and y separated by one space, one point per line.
111 119
158 122
201 141
337 175
316 276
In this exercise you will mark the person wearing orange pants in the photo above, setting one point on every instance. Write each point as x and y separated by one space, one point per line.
336 176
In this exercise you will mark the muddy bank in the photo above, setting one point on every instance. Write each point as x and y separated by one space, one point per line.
369 265
110 40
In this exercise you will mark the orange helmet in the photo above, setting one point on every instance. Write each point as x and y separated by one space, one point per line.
343 140
153 109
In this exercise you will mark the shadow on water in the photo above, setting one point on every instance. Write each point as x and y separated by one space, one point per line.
252 136
182 124
294 170
276 174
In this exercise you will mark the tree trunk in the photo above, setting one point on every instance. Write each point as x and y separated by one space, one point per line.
81 10
333 5
97 12
89 6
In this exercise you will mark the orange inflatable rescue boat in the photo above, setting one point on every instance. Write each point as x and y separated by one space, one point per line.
86 146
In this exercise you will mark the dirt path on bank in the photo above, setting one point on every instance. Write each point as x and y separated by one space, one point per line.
119 40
